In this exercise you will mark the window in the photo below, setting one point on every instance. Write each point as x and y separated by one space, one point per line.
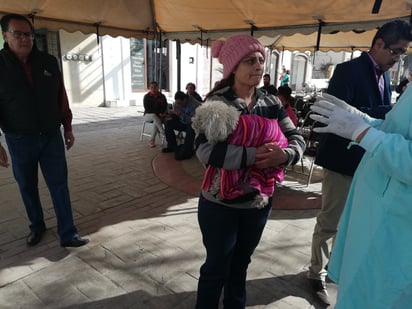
157 63
137 64
49 42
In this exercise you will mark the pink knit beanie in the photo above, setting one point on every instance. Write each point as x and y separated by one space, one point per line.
234 49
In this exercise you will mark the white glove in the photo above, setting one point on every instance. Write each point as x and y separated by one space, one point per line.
342 104
338 120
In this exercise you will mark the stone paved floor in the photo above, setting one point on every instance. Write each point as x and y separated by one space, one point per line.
145 249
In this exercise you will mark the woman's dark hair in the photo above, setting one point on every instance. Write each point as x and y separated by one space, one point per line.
191 84
285 91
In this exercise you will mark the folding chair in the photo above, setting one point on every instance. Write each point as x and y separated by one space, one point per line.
143 132
146 130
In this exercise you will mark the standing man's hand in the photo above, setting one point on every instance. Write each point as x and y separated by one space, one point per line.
4 160
68 139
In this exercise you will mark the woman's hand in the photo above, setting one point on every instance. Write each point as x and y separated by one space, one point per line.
270 155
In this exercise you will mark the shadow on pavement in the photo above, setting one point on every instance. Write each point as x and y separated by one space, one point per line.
261 292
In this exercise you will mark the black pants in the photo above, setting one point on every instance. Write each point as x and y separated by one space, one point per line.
230 236
174 124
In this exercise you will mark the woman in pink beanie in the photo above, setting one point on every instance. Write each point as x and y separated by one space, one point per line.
231 229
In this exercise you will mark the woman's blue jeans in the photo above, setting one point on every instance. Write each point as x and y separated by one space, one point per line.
27 152
230 236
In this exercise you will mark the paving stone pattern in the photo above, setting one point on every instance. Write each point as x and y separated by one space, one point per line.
145 247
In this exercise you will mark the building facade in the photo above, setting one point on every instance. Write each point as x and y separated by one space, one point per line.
116 71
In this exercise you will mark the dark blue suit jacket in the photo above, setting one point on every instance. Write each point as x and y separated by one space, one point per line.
354 82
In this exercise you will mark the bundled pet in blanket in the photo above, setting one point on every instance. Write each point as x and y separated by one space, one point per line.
220 122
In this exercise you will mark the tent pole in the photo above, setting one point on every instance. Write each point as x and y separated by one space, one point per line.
314 57
210 71
179 64
197 65
154 68
159 73
270 62
281 58
281 62
103 72
376 6
252 29
100 48
321 23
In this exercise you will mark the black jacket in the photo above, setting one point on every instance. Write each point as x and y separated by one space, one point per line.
353 81
25 108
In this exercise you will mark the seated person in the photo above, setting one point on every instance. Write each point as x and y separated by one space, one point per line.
191 92
285 96
220 122
155 110
270 89
180 119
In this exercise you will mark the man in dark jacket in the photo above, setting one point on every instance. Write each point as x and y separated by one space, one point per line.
365 84
33 105
180 119
270 89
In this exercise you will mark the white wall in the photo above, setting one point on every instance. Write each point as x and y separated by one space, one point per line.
117 72
83 79
203 72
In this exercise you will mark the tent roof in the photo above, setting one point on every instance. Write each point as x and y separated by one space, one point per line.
341 41
209 20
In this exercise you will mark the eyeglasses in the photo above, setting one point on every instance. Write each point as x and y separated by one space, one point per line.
397 51
20 34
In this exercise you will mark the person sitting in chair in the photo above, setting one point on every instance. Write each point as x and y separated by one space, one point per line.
191 91
285 96
181 120
155 107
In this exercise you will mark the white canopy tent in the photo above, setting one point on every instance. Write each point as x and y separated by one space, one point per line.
195 20
280 24
341 41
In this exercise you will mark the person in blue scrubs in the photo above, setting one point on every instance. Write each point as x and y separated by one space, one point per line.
372 256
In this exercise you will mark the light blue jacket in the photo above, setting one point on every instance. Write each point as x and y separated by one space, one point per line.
372 256
188 111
